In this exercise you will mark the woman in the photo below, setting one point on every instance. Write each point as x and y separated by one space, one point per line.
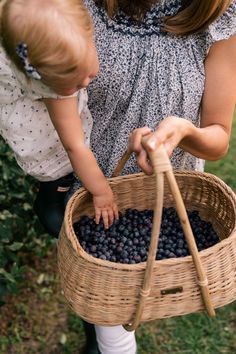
168 65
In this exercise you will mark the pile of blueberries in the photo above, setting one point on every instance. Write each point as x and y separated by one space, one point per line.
128 239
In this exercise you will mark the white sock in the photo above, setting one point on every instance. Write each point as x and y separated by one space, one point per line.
115 340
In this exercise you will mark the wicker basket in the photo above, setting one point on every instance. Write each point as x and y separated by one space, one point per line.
106 293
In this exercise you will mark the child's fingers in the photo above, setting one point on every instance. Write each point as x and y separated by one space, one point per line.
105 218
111 216
98 214
108 215
116 211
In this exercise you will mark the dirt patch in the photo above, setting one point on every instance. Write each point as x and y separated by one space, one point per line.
36 320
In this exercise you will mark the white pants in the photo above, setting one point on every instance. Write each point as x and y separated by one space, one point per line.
115 340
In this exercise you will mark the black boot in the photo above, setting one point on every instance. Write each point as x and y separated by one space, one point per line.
49 204
91 346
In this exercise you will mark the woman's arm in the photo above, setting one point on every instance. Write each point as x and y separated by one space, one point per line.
65 117
211 140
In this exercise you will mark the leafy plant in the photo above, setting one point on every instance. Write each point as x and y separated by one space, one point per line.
18 225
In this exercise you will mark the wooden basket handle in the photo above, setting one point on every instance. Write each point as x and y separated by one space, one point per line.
162 167
121 164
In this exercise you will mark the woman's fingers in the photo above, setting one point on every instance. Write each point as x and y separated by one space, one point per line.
135 145
136 137
143 162
169 132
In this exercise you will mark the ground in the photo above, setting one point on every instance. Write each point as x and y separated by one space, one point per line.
36 320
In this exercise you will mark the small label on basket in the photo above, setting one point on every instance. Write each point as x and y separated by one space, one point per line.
172 291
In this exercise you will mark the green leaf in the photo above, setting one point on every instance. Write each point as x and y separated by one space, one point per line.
63 339
27 206
15 246
7 275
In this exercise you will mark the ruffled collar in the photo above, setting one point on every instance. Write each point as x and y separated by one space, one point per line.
152 22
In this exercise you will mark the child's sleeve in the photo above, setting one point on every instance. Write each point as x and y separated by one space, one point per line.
36 90
10 90
14 84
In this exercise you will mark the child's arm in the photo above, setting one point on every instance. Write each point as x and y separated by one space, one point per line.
65 117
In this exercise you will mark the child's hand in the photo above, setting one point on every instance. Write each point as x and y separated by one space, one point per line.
105 207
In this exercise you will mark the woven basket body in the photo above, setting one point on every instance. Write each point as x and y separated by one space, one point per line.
107 293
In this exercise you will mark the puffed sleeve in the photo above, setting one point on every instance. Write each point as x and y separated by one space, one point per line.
36 89
224 27
9 86
14 84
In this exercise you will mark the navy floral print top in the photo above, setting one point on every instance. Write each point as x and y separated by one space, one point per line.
146 75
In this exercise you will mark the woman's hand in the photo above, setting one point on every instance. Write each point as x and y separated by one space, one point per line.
105 207
169 132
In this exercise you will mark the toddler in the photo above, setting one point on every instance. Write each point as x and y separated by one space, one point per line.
47 58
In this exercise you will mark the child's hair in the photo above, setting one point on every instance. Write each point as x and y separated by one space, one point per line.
55 33
194 15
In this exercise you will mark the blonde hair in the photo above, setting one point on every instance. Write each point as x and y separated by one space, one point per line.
193 16
55 32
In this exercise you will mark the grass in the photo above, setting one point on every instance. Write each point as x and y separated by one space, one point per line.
38 321
191 334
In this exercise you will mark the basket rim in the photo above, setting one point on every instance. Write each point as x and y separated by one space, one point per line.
71 236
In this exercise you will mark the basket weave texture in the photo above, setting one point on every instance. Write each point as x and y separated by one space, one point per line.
106 293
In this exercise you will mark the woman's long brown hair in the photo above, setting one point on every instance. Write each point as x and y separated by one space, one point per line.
194 15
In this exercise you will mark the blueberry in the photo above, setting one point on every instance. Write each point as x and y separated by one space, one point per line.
137 259
103 257
179 252
113 258
119 249
93 248
128 239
